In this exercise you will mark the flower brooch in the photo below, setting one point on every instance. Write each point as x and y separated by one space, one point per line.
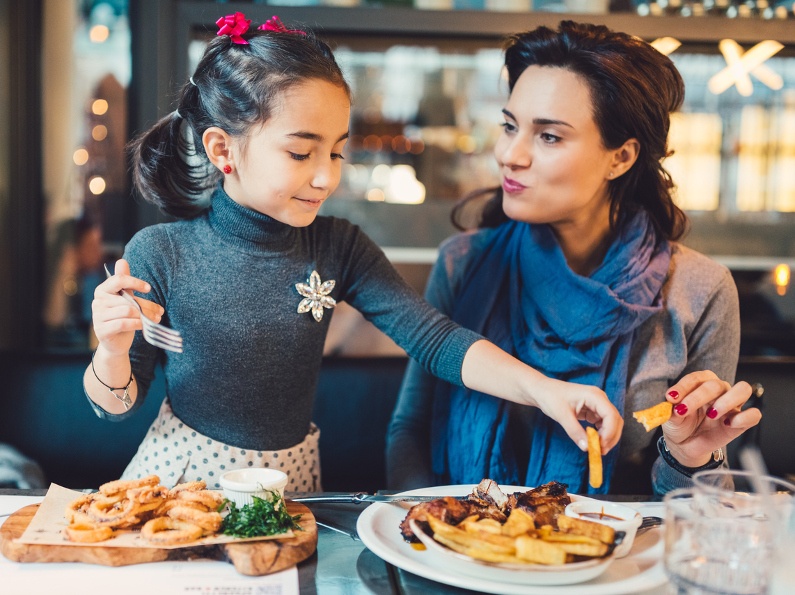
316 296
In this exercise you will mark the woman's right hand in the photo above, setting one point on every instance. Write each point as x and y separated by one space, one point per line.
115 319
568 403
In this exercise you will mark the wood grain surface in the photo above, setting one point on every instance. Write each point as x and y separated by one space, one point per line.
253 558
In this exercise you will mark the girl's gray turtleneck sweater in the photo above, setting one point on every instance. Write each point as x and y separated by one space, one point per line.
227 280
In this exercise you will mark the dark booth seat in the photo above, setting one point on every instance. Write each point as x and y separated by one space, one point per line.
43 413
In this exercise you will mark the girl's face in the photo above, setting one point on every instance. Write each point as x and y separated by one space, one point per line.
553 165
291 164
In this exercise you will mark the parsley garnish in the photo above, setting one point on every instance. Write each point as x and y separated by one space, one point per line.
261 517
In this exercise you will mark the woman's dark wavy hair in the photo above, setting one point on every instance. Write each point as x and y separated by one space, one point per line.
234 88
633 88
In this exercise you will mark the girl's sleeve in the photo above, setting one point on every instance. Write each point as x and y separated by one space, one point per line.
376 289
713 345
408 447
143 356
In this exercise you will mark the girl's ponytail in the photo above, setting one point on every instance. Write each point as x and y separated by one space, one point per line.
167 171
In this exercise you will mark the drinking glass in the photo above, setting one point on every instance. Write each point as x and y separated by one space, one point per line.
721 534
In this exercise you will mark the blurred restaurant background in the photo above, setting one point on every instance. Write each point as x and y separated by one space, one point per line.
80 78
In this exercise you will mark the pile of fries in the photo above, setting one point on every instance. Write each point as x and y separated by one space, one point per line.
519 541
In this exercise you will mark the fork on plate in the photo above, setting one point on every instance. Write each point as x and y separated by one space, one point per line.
154 333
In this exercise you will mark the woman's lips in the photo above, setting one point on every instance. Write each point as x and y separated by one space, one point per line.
512 186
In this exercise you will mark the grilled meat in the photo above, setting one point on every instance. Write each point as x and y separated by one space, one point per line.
448 509
545 502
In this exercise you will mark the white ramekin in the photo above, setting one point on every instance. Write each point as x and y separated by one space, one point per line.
241 485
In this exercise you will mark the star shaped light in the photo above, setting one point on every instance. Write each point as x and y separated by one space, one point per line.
316 296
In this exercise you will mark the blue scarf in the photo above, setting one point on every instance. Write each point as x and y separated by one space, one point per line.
521 294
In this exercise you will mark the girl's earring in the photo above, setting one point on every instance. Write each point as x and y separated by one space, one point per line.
227 169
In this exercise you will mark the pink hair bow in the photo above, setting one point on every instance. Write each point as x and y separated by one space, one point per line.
275 24
234 25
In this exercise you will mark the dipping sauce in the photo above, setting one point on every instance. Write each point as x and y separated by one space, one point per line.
599 516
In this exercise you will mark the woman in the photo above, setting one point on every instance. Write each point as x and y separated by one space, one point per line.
575 269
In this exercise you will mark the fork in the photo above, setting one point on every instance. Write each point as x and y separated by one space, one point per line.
154 333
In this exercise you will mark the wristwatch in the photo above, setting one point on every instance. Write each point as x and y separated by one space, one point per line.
717 460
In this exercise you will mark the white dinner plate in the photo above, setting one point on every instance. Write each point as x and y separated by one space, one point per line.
379 529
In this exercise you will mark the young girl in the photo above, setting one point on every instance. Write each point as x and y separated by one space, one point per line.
251 280
584 217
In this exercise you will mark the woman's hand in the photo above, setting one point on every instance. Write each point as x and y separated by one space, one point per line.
707 415
116 320
567 403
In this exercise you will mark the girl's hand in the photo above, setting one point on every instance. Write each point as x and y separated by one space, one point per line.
115 320
707 415
567 403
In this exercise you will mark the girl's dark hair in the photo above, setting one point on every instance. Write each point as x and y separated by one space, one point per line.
234 88
633 88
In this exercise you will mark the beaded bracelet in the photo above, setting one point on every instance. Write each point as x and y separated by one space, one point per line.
125 398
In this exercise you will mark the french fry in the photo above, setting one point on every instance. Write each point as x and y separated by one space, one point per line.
594 458
471 541
558 537
539 551
518 523
591 550
603 533
480 526
654 416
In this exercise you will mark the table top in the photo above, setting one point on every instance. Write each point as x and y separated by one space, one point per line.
342 564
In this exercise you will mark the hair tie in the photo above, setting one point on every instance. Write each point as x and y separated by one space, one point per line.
275 24
234 25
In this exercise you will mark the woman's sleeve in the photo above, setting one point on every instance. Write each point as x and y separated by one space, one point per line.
713 345
408 450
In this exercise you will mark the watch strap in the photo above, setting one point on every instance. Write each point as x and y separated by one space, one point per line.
717 460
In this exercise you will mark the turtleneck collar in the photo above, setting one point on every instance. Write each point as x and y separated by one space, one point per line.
245 227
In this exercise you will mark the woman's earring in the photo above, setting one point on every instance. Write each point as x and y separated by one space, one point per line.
227 169
610 175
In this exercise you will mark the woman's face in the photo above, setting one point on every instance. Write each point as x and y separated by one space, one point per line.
292 163
553 165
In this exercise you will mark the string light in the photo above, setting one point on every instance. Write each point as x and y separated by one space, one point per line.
739 65
781 277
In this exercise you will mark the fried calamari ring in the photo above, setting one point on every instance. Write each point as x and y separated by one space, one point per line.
87 533
210 522
163 509
210 499
112 513
122 485
190 486
168 531
78 507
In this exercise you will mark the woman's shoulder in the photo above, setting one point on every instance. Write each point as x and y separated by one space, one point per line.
696 269
697 280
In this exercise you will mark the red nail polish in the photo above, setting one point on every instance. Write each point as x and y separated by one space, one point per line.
673 394
712 413
727 421
680 409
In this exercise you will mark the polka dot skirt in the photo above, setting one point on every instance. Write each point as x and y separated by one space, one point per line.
178 453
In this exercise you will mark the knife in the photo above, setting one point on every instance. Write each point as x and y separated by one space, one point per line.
362 497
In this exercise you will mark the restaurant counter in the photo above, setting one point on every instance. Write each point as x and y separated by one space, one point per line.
341 565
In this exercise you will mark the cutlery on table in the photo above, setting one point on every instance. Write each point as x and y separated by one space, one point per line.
362 497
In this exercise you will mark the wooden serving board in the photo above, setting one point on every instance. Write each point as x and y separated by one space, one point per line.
253 558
